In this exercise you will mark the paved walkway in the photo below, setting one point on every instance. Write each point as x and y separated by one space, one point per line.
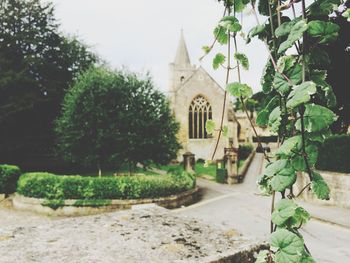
241 207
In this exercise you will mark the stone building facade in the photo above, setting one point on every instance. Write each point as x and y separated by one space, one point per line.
196 97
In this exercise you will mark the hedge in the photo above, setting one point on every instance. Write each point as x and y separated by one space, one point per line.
244 151
334 154
9 175
53 187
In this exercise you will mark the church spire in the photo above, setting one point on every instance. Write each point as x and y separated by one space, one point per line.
182 58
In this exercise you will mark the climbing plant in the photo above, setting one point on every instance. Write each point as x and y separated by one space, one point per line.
300 107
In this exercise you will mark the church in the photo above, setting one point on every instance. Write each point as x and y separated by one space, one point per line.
196 97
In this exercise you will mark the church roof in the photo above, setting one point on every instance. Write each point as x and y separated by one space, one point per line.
182 58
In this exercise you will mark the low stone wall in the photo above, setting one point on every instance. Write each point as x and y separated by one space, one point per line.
2 197
69 209
339 184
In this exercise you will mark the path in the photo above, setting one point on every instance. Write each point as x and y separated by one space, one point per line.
240 207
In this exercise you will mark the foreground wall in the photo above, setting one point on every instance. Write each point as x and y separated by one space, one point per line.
339 184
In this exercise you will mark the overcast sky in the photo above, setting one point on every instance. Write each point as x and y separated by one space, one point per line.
143 34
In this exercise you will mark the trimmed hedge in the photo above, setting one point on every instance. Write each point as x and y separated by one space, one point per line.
334 154
244 151
9 175
54 187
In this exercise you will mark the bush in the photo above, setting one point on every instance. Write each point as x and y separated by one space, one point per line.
244 151
221 176
54 187
334 154
9 175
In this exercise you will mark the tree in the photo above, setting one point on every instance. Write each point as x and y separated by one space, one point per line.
111 118
37 65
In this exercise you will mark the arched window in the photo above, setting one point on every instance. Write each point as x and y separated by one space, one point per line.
199 112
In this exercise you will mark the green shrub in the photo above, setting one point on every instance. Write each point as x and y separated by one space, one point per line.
244 151
9 175
221 176
54 187
334 154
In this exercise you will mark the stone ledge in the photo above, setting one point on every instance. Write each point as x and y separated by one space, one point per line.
68 209
240 177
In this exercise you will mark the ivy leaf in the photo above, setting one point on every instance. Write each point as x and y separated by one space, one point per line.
264 184
243 60
210 126
284 210
285 28
301 94
320 187
319 136
285 63
346 14
220 33
301 216
323 7
295 34
292 143
263 117
282 175
288 246
298 161
239 5
262 256
326 32
255 31
295 76
267 78
316 118
275 119
231 23
218 60
319 77
238 90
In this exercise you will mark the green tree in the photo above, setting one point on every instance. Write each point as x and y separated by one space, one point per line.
37 65
111 118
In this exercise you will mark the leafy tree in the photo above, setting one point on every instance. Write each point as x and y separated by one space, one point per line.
111 118
37 65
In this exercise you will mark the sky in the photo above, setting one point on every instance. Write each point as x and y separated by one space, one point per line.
142 35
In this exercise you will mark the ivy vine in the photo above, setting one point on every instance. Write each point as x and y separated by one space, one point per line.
300 110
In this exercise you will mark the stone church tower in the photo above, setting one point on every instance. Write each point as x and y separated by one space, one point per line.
196 97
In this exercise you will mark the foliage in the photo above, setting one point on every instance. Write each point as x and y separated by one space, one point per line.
334 154
300 107
9 175
110 118
54 187
221 175
244 151
37 65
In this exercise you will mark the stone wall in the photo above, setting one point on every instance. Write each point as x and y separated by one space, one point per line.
339 184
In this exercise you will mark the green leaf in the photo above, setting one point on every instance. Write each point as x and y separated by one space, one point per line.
346 14
292 143
255 31
262 256
316 118
239 5
288 246
220 33
218 60
263 117
210 126
206 49
285 63
326 32
319 136
319 57
295 34
306 258
301 94
298 161
285 28
295 76
263 7
264 184
231 23
284 210
238 90
320 187
267 77
319 77
243 60
281 173
301 216
323 7
275 119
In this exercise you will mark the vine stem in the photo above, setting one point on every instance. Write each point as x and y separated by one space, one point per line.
302 190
